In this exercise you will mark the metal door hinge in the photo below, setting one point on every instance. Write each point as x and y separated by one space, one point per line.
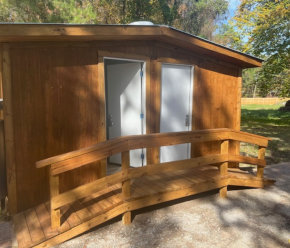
187 121
110 121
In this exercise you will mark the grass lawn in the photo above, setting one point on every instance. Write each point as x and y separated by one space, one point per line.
267 120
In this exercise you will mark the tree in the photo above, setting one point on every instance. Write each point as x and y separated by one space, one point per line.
199 17
47 11
261 28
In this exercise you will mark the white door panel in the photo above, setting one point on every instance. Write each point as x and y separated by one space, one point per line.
176 101
124 105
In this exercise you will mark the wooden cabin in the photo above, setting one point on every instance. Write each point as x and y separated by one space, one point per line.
76 97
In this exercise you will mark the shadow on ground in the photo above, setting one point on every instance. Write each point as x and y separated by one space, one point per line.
247 218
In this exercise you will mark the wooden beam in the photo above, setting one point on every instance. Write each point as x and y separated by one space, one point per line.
54 191
172 195
72 160
224 167
76 159
102 113
9 131
85 190
84 226
3 179
247 160
178 38
126 185
153 108
249 138
237 123
261 155
90 188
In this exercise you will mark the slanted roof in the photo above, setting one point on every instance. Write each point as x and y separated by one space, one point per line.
90 32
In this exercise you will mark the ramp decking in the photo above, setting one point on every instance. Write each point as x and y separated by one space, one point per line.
33 227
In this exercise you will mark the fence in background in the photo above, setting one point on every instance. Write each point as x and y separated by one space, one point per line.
266 101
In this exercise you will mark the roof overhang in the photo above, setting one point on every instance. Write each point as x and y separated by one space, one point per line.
91 32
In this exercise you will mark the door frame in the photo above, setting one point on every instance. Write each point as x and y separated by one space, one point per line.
143 94
143 105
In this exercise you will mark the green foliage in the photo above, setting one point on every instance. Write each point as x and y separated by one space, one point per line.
200 17
47 11
157 11
262 28
227 35
250 82
267 24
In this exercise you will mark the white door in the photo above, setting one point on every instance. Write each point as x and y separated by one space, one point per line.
125 105
176 105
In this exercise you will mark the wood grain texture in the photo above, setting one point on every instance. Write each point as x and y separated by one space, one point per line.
58 32
54 192
72 160
59 87
126 185
152 190
169 167
235 145
102 134
223 168
9 114
153 107
56 110
261 155
216 102
3 179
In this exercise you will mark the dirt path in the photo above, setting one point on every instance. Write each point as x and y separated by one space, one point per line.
256 218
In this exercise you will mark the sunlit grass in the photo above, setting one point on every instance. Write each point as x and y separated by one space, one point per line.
267 120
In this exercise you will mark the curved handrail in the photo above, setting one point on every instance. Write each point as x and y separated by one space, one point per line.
78 158
133 173
72 160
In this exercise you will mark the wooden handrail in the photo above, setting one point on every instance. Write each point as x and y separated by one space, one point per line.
62 163
76 159
88 189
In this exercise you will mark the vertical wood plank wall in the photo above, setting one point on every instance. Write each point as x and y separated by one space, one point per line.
3 180
216 102
10 154
56 110
58 104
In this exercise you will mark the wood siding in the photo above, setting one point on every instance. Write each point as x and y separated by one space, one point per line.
56 110
216 102
55 96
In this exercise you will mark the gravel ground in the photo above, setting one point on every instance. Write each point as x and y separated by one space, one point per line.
254 218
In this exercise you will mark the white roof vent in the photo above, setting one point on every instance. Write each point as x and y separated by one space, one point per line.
142 23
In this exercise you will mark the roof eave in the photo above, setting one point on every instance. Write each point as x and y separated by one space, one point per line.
62 32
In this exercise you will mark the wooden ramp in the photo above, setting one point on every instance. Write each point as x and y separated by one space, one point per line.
33 227
75 211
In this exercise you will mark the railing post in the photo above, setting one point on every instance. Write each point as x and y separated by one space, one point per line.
261 155
224 167
54 191
126 192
